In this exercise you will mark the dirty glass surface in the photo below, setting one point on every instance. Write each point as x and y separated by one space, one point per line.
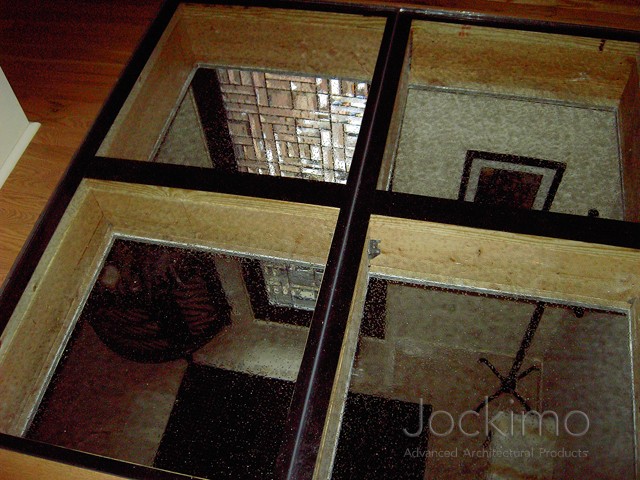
178 362
469 385
266 123
514 120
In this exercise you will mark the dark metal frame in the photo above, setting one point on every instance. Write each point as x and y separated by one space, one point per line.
357 200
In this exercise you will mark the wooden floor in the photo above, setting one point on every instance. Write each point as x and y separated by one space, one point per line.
62 59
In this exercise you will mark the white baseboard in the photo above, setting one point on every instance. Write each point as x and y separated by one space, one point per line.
21 145
15 130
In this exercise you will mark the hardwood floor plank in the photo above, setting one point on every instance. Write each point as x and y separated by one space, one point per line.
62 59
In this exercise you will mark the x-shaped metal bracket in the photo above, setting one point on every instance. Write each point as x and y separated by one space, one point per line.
509 383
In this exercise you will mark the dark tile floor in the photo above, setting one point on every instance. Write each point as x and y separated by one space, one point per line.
225 425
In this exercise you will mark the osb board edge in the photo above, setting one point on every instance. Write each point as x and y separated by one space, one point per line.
544 66
501 262
149 106
629 141
42 320
233 223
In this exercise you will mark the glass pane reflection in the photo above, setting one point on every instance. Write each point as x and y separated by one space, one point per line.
475 365
170 366
267 123
518 139
515 119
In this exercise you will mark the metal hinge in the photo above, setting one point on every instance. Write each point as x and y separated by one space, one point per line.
373 250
